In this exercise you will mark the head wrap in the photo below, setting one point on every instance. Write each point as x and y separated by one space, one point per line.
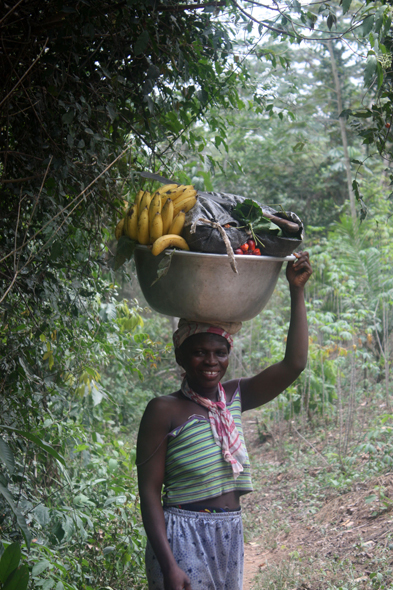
187 328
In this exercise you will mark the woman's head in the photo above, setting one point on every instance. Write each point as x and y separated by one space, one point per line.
204 357
203 350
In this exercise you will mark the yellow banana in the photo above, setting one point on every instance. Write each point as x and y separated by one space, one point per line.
138 198
155 228
165 188
184 205
164 199
177 224
175 192
169 241
131 222
119 229
144 202
154 207
188 192
143 227
167 217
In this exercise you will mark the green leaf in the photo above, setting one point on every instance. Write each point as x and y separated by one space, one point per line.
367 25
9 561
370 69
92 373
331 20
42 514
112 465
7 456
124 251
164 266
141 43
36 440
96 394
131 323
363 114
19 516
118 499
40 567
346 5
67 117
250 213
18 580
298 147
370 499
207 180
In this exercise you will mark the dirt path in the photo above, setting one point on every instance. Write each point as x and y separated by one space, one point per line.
346 529
253 562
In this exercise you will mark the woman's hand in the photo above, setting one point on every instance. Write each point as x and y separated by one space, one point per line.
176 579
299 271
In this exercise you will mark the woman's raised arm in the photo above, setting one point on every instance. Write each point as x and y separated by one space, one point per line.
265 386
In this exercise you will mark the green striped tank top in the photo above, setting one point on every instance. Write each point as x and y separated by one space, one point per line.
195 468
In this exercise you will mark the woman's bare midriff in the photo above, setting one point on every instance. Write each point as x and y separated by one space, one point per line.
229 501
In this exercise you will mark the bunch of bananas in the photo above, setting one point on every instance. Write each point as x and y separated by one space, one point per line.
158 218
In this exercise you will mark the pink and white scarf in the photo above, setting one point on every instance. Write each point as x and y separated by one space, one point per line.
223 426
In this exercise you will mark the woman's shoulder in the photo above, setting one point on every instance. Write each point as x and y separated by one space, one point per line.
164 408
159 415
172 410
163 402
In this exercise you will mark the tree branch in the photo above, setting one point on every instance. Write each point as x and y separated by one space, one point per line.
25 74
274 29
11 11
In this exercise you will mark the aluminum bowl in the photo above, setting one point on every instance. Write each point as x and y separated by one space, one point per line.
203 287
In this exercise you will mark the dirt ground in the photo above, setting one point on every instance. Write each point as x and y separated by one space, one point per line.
344 528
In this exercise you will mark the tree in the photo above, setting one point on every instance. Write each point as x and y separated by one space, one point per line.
287 151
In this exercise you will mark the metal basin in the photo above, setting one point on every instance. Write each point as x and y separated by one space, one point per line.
203 287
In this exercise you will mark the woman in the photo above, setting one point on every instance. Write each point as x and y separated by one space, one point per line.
191 442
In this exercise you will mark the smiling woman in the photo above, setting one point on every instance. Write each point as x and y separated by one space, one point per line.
191 442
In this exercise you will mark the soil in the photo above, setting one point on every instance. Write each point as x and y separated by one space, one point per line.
344 528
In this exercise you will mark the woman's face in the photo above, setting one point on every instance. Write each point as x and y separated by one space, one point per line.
204 358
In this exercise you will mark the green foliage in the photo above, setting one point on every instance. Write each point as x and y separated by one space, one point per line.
85 471
13 576
249 213
89 530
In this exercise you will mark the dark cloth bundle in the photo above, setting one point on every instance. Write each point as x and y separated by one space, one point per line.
218 207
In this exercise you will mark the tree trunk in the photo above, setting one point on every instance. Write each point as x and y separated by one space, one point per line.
343 130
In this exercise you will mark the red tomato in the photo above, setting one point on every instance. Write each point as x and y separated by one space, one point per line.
251 245
244 247
238 251
257 252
